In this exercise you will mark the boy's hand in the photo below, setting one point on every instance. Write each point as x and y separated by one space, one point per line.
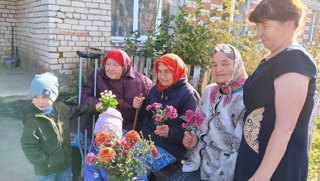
98 105
137 102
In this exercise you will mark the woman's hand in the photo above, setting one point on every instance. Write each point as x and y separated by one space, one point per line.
189 140
137 101
98 105
162 131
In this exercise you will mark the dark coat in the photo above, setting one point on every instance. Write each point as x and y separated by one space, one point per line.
45 138
180 95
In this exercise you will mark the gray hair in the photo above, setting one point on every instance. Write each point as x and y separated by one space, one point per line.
226 50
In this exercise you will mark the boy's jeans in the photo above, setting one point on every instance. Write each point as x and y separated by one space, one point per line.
61 176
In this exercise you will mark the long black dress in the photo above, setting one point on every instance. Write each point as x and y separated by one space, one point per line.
259 99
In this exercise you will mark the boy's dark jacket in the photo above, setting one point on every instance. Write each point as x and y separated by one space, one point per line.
45 139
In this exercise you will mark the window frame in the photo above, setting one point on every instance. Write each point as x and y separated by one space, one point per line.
135 26
313 27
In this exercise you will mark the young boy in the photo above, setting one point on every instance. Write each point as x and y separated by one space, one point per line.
45 139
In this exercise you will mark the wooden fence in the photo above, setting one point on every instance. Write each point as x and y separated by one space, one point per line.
198 76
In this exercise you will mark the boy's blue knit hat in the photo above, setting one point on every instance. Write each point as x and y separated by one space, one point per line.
45 84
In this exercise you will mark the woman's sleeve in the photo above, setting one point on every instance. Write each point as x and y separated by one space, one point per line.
147 85
87 92
77 110
203 102
295 61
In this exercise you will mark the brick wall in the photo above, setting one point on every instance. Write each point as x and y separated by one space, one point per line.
7 21
49 32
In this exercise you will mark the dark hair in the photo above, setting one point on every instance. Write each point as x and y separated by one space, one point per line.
278 10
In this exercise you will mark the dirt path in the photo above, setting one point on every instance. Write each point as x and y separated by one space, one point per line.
13 164
14 89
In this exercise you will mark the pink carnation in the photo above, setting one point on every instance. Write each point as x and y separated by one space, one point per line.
171 112
158 117
148 107
189 116
199 119
185 125
192 120
90 158
157 105
125 152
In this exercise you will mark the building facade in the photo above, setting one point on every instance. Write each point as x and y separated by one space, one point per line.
47 33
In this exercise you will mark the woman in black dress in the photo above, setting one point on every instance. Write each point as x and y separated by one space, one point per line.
279 99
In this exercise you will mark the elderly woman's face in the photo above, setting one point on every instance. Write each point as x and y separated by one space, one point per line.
274 34
221 68
113 69
165 76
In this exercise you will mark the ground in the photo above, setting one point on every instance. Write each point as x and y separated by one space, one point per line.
13 97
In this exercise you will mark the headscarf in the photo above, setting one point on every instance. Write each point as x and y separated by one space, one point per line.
238 77
121 57
175 65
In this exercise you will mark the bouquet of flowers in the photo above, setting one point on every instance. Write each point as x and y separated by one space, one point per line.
108 100
160 114
122 159
192 119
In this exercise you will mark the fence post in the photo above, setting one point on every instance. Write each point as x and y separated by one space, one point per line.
189 70
147 70
196 76
141 65
136 63
205 80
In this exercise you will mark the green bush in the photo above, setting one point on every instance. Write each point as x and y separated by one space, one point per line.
314 157
314 49
194 35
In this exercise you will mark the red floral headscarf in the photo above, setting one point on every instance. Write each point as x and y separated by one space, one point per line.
175 65
120 56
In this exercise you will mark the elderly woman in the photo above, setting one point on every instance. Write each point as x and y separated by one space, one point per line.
279 98
117 75
174 90
214 145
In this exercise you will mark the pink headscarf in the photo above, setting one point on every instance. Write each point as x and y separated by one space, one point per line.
238 77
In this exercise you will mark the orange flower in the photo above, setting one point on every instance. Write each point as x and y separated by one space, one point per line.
132 138
106 154
154 151
103 138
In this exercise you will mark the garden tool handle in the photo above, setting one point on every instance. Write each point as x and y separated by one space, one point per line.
136 115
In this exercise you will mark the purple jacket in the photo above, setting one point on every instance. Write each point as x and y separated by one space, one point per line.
130 85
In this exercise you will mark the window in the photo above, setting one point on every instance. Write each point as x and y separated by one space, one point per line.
132 15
